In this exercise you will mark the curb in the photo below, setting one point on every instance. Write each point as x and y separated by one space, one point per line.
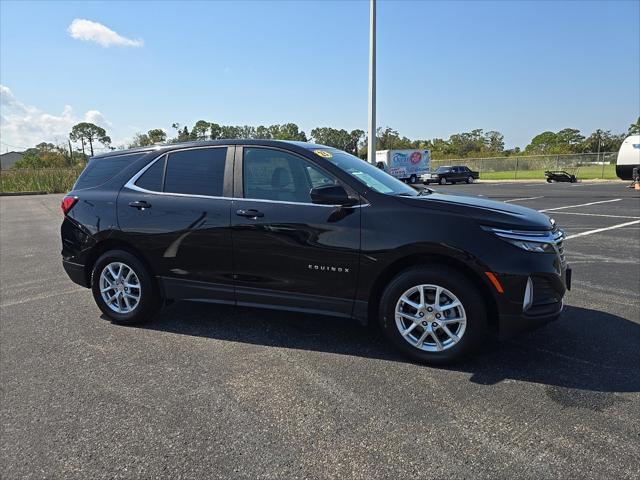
15 194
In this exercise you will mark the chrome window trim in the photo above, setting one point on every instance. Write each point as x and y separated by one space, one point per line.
103 156
131 185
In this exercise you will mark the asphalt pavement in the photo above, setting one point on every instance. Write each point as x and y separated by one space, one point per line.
220 392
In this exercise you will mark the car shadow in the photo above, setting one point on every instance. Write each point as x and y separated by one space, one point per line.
585 350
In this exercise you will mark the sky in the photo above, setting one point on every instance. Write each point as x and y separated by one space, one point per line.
443 67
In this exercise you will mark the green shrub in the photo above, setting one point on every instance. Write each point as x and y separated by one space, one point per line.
50 180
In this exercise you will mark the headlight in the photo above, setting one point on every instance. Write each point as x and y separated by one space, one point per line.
540 241
531 246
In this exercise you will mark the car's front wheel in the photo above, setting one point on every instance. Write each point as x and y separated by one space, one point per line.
433 314
469 179
413 179
123 288
443 181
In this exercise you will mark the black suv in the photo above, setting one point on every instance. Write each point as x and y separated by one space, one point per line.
308 228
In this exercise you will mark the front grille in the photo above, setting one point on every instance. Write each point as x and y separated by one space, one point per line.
558 237
560 247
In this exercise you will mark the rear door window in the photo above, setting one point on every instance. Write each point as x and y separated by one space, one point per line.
100 170
199 171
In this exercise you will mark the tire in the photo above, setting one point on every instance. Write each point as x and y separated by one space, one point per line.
413 179
426 182
470 179
454 285
443 181
131 311
549 180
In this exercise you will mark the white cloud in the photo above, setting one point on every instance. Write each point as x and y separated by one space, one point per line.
24 125
89 31
97 118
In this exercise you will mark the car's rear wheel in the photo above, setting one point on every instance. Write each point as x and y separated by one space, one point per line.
443 181
433 314
123 288
413 179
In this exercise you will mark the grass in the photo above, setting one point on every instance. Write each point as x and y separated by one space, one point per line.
588 172
50 180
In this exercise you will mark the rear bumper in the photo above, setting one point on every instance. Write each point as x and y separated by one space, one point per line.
76 273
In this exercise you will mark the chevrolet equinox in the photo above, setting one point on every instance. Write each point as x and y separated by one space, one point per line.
308 228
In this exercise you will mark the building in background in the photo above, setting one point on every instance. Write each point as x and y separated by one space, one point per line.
8 159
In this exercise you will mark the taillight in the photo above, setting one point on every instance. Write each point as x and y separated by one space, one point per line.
68 203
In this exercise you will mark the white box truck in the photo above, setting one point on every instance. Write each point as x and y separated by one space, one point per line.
407 165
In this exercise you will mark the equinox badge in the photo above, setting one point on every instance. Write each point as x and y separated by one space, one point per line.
327 268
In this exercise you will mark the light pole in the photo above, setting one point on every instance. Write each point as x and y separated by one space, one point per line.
371 145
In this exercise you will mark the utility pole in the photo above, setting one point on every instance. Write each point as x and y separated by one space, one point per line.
598 155
371 145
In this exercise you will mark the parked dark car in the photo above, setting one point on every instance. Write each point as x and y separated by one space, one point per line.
308 228
455 174
560 176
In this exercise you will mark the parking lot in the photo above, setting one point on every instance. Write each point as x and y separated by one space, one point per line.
217 392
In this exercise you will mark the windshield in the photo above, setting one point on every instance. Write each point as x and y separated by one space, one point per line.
443 169
373 177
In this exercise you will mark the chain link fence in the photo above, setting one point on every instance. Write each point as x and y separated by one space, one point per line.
584 165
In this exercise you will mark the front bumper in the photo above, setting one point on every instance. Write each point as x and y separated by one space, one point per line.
512 325
547 293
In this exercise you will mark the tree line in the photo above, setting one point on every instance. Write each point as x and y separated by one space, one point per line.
476 143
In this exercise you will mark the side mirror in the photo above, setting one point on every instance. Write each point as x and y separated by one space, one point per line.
332 195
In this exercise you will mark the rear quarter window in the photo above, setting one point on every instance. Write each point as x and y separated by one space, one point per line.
153 178
100 170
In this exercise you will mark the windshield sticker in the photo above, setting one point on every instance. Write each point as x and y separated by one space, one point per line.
323 153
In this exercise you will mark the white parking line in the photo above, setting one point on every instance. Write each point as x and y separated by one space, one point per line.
580 205
598 230
595 215
39 297
520 199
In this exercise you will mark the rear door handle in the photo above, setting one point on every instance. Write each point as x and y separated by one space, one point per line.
251 213
140 204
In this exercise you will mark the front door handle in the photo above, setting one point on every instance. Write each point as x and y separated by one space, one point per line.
140 204
251 213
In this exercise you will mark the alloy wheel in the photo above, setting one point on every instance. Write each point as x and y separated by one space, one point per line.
120 287
430 318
